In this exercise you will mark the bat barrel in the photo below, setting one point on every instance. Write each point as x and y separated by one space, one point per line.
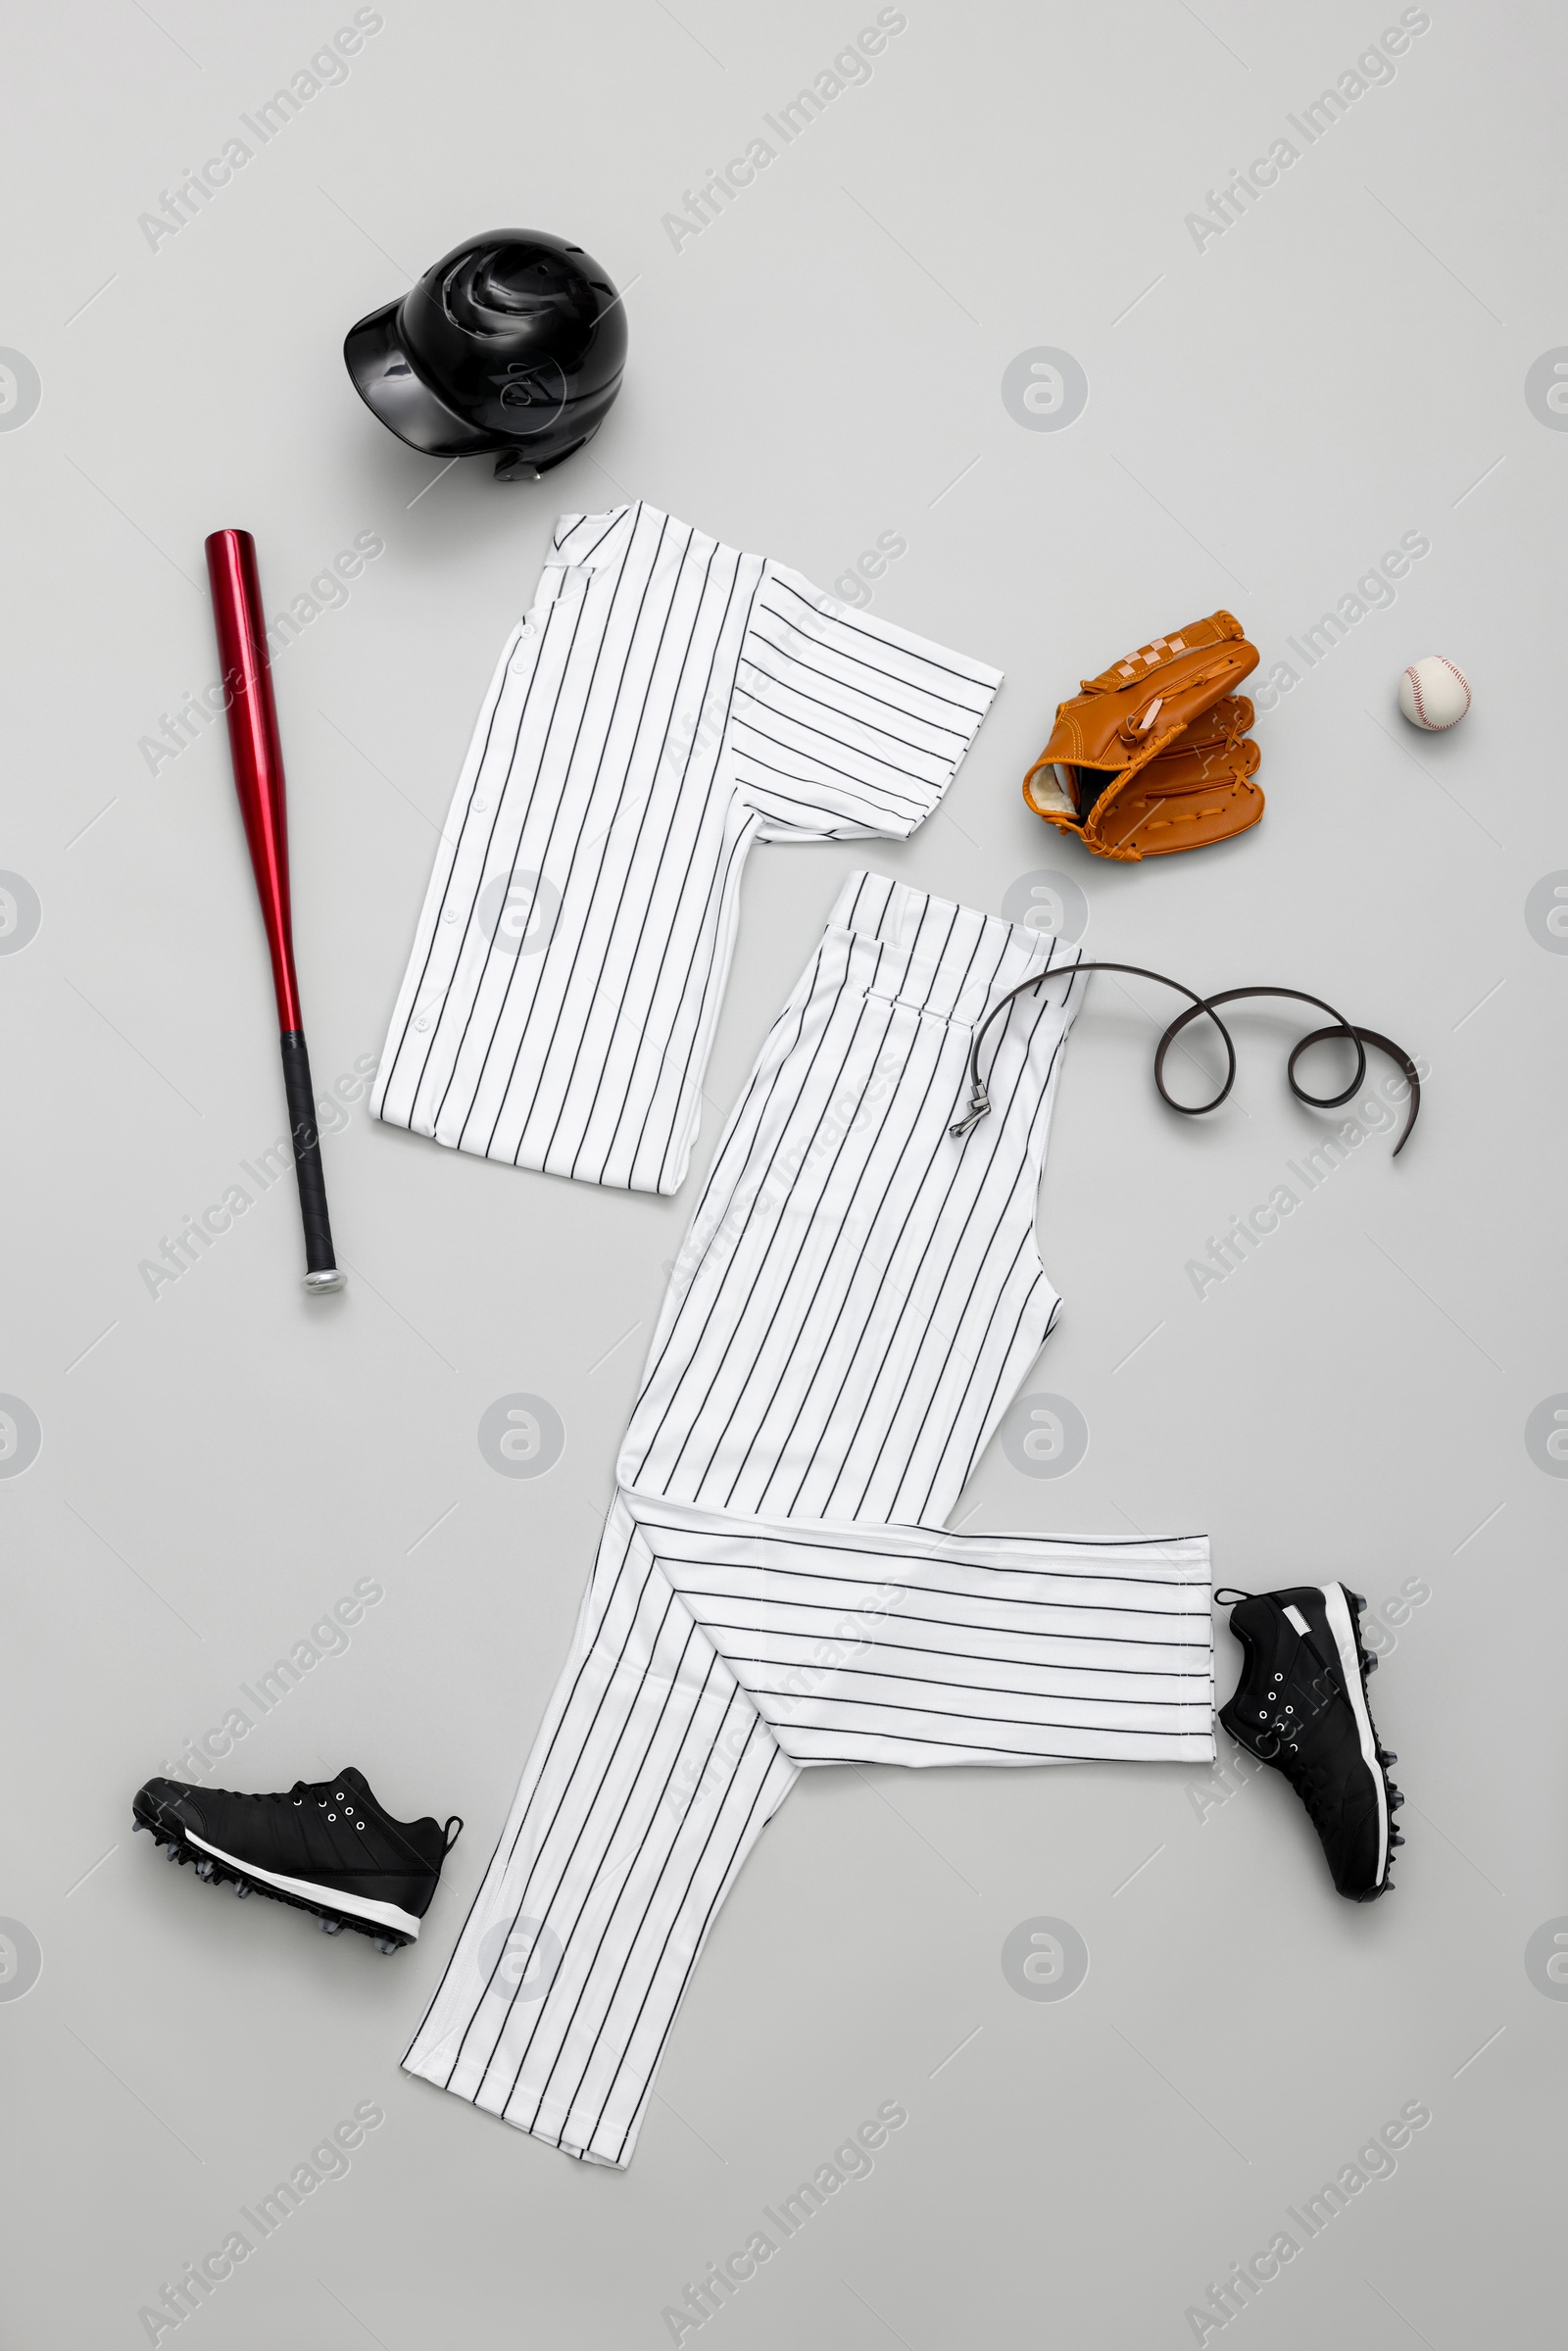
257 753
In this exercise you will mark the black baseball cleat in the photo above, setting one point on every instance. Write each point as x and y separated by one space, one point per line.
1300 1705
327 1846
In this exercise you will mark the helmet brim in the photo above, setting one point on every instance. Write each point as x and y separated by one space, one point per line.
391 387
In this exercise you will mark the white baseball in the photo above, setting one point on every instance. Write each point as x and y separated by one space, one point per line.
1434 693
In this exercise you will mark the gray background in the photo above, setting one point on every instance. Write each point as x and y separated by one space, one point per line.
1267 416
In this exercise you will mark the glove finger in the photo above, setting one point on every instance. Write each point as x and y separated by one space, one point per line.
1195 638
1119 727
1227 722
1144 819
1189 765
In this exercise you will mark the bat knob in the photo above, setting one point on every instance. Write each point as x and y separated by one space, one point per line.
320 1284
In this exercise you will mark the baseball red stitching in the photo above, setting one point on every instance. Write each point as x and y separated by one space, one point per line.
1420 704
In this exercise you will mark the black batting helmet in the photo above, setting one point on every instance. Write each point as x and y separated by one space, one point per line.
512 343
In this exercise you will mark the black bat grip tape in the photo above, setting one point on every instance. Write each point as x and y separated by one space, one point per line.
307 1141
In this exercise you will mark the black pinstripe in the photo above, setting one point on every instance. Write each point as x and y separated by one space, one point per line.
601 790
858 1298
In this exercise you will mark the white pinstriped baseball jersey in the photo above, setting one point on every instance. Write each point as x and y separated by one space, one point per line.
857 1301
665 703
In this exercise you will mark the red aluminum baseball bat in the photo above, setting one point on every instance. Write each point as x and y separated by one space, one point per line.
258 758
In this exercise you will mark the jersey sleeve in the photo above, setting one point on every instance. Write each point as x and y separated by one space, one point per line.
843 725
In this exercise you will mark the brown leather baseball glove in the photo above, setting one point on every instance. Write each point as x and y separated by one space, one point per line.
1150 757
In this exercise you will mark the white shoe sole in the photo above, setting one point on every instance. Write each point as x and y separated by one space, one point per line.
1341 1624
381 1914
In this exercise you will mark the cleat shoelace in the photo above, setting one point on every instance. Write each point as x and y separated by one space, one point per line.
1311 1775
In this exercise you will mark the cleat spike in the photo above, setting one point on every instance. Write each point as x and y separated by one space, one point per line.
1357 1599
242 1887
1395 1836
171 1851
1369 1664
206 1870
386 1947
330 1926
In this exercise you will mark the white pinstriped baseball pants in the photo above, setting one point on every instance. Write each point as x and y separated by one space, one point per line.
857 1302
